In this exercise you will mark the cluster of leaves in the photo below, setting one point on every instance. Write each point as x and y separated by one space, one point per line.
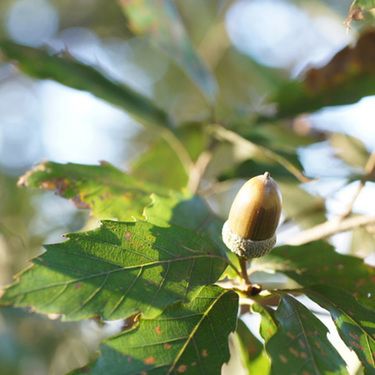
157 256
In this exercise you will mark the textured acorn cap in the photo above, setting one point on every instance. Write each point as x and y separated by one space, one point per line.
254 216
245 248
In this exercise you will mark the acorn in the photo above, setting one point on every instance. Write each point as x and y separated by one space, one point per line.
254 216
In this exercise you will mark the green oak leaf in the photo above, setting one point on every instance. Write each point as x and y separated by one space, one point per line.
191 212
318 263
300 345
251 350
269 324
355 323
161 22
63 68
186 338
107 191
117 270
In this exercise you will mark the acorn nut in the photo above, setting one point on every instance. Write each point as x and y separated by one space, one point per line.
254 216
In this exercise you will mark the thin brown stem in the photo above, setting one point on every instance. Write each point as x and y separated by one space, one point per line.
244 275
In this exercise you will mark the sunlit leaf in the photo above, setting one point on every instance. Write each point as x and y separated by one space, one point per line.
300 345
190 212
355 323
300 206
104 189
148 166
160 20
269 324
189 339
317 262
251 349
351 150
65 69
117 270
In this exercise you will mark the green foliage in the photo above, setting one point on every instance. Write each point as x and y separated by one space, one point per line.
317 262
186 338
72 73
104 189
117 270
160 20
300 344
157 257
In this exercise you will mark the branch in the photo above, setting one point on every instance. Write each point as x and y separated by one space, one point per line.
369 170
329 228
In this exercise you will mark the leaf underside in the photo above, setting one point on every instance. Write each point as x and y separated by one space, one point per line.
300 345
355 323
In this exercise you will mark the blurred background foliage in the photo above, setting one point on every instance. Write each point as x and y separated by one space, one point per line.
260 53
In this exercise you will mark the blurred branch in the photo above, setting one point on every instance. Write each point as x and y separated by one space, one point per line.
369 170
254 149
197 170
330 228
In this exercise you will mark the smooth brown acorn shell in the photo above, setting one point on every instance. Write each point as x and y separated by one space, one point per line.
256 210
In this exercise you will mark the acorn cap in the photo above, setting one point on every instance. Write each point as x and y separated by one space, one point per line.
254 216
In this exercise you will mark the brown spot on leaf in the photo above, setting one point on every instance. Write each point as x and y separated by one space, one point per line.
129 359
194 364
167 346
283 359
181 369
291 335
127 236
324 353
356 345
79 202
303 355
158 330
204 353
360 282
149 360
301 343
318 344
78 285
294 352
354 336
269 332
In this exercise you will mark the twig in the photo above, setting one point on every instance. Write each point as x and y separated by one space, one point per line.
198 169
369 170
329 228
256 150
